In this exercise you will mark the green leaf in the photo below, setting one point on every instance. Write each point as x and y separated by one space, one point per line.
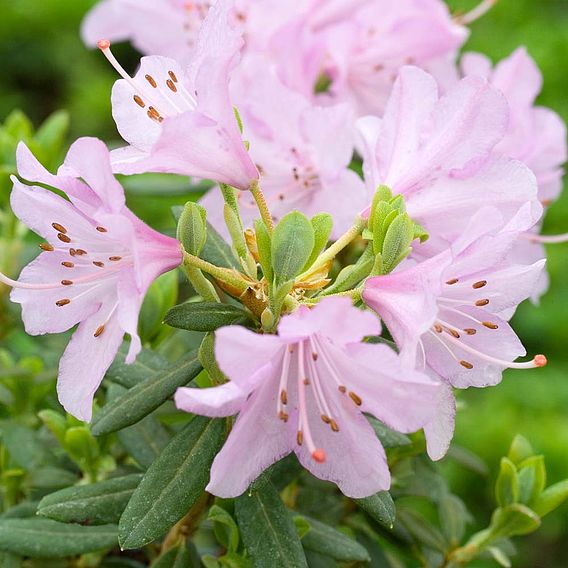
145 397
161 296
177 557
421 530
172 484
229 538
207 358
520 450
96 504
268 531
513 520
317 560
264 245
43 538
507 486
23 510
191 228
322 225
532 479
24 446
326 540
389 438
351 275
454 517
551 498
217 251
293 241
51 134
205 316
302 526
500 557
147 364
380 507
18 126
398 238
81 446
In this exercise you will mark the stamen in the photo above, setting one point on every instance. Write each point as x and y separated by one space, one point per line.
173 76
319 456
80 252
66 282
547 239
171 86
334 426
438 328
59 228
479 284
490 325
102 230
99 331
115 258
283 416
283 397
470 331
46 247
452 281
300 438
466 364
63 238
151 80
99 264
283 383
63 302
67 264
342 389
314 356
139 101
481 303
355 398
476 13
326 419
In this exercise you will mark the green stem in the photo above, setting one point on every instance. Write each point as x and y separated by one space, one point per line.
258 195
201 285
227 275
354 294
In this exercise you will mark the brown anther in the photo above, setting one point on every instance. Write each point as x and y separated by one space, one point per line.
300 437
334 426
490 325
63 238
173 76
452 281
139 101
438 328
114 258
454 333
151 80
72 252
80 252
479 284
99 264
67 264
355 398
466 364
67 282
481 303
307 382
290 349
46 247
342 389
470 331
326 419
102 230
62 303
171 86
283 416
59 228
314 356
99 331
283 397
281 196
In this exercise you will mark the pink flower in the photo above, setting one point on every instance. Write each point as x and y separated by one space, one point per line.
449 313
97 265
181 120
439 153
304 390
302 151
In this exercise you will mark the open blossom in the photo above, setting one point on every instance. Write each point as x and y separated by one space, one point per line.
304 390
302 152
439 153
449 313
99 260
181 120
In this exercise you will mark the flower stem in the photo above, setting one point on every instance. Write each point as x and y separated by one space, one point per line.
225 275
258 195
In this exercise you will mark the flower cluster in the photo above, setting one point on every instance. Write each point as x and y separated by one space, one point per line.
350 122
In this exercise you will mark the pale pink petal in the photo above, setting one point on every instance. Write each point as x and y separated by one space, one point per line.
440 430
105 20
476 64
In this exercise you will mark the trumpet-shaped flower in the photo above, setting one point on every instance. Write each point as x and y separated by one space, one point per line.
181 120
439 152
98 262
304 390
449 313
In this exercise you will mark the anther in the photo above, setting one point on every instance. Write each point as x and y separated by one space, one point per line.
342 389
307 382
139 101
171 86
319 456
355 398
284 397
300 437
151 80
334 426
173 76
61 303
67 264
46 247
99 264
114 258
470 331
290 349
99 331
326 419
438 328
80 252
452 281
490 325
63 238
67 282
59 228
283 416
454 333
481 303
479 284
72 252
314 356
466 364
102 230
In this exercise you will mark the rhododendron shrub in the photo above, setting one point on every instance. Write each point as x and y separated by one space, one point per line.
287 355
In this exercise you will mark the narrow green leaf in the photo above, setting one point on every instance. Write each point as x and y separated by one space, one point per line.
147 364
389 438
43 538
322 225
421 530
23 510
326 540
145 397
24 446
551 498
380 507
454 518
513 520
532 479
176 557
264 245
172 484
398 237
191 229
292 244
229 537
507 486
268 531
520 450
205 316
96 504
217 251
500 557
317 560
51 134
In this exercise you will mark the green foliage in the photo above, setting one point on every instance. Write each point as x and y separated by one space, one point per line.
206 316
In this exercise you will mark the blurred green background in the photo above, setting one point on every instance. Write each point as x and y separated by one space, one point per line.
44 67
